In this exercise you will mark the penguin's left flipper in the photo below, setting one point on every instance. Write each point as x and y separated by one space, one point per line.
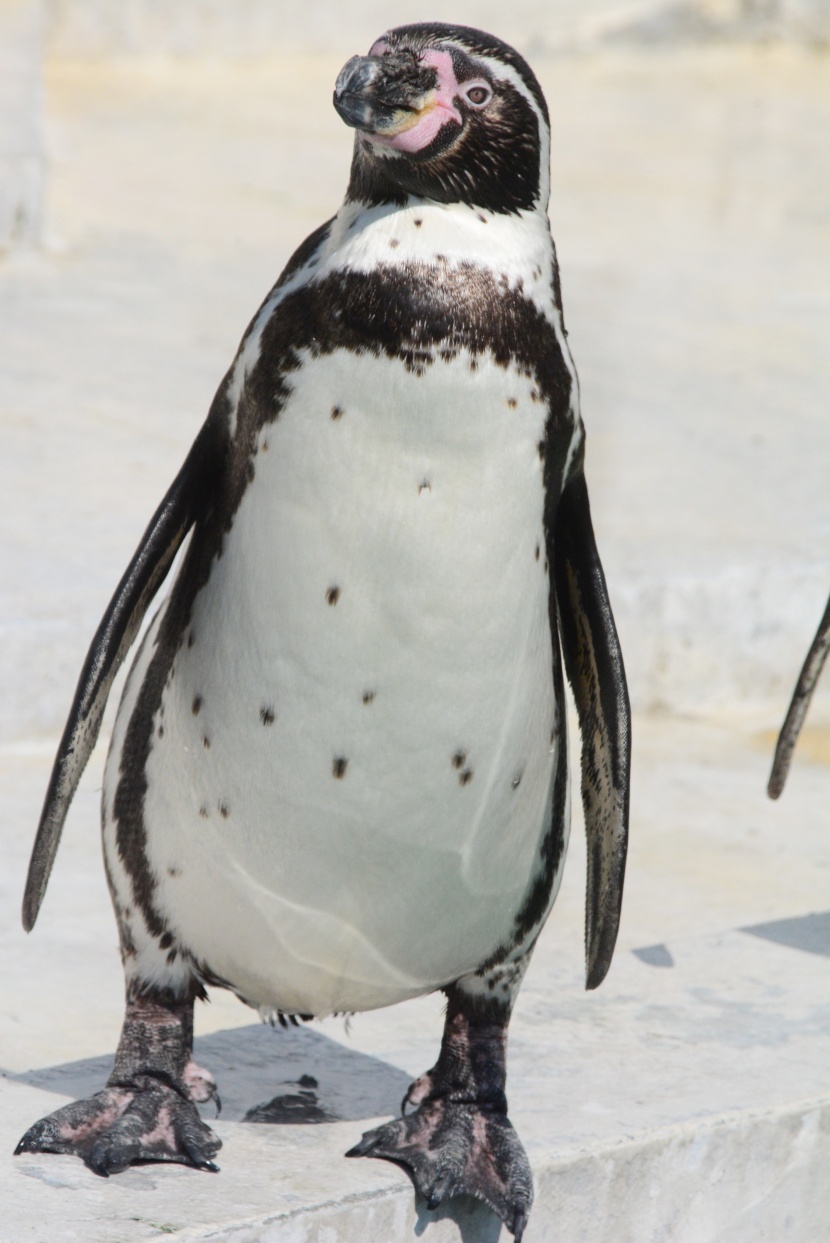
594 664
187 500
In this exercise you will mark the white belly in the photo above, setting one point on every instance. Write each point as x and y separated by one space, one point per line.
352 780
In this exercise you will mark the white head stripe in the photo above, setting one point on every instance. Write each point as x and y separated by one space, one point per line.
506 73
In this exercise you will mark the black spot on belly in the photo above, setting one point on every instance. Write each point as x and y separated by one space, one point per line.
265 446
417 223
512 403
203 812
338 768
537 552
465 776
336 412
458 759
368 696
161 731
196 706
172 956
393 242
534 394
333 595
224 810
541 447
267 714
206 742
174 871
166 941
424 486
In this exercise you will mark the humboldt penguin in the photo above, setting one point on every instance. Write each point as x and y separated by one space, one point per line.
338 777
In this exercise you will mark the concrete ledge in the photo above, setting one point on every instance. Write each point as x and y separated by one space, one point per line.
754 1177
685 1100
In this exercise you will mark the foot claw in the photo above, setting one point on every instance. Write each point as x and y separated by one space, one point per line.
366 1146
210 1166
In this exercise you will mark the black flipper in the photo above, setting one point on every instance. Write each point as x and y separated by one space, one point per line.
800 702
594 665
186 501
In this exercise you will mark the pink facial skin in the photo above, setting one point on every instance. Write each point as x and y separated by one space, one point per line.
422 133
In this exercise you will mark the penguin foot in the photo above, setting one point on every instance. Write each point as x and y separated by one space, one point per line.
451 1148
149 1120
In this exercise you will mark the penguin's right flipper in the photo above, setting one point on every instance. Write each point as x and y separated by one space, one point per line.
187 500
594 664
800 702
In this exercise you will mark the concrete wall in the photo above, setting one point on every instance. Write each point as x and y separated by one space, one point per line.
21 139
253 27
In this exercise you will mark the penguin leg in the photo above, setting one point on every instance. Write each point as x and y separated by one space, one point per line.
147 1111
459 1140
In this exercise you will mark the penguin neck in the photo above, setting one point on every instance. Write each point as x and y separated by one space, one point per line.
420 233
386 178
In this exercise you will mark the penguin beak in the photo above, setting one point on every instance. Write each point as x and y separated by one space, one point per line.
384 95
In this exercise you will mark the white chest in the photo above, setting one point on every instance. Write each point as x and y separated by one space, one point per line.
352 781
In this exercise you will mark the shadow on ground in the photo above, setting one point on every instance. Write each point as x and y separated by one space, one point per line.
265 1075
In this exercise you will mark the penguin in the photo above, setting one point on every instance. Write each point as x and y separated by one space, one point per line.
338 776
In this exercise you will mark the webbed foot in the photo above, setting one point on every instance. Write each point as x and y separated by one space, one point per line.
452 1149
147 1111
150 1121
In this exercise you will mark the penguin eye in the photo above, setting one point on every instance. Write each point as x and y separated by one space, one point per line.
478 94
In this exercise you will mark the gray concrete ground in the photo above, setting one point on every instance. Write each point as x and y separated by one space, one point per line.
687 1099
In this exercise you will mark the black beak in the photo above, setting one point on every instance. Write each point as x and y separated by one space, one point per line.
372 92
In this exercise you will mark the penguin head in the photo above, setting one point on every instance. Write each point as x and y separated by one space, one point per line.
446 113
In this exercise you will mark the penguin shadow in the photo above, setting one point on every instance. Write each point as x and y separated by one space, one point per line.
310 1077
289 1077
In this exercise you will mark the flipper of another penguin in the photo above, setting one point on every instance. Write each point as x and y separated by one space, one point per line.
594 665
800 702
187 500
